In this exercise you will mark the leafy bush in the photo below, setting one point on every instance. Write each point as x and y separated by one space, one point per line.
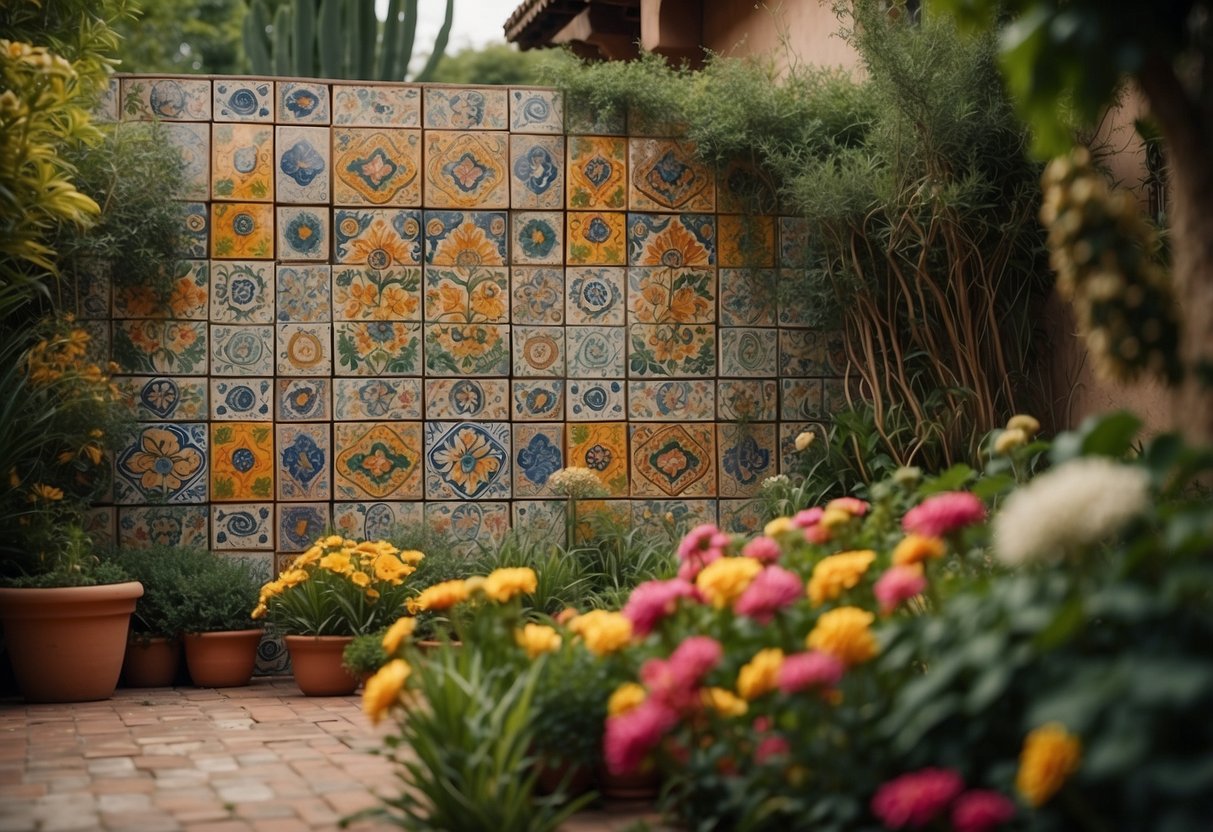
163 571
365 654
217 593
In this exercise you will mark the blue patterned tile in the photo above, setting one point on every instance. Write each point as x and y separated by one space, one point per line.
175 526
467 398
299 525
239 99
165 398
540 519
537 172
596 399
595 296
302 102
377 237
672 401
303 294
672 241
537 237
536 111
596 351
747 352
538 351
302 165
537 400
466 239
196 231
454 108
383 105
474 526
304 350
373 399
537 295
467 170
242 292
242 350
242 526
166 99
193 142
667 176
304 458
162 463
376 521
538 453
748 455
242 399
303 233
467 460
748 297
302 399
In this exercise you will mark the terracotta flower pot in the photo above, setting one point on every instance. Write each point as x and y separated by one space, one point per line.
316 664
222 660
151 662
67 643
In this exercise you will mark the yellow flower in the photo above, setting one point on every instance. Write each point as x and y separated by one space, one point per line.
401 629
627 696
503 584
333 541
94 453
1009 440
271 589
1024 422
337 562
474 584
761 674
309 557
439 597
778 526
834 575
722 581
42 491
293 577
1050 755
844 633
725 702
804 439
603 632
389 568
916 548
360 579
537 639
259 612
410 556
382 690
833 517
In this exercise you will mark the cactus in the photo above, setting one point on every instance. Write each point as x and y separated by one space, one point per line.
338 39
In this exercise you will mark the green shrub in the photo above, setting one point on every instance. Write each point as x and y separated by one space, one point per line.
217 592
365 654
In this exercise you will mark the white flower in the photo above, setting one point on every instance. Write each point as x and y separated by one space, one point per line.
804 439
777 481
1075 505
576 482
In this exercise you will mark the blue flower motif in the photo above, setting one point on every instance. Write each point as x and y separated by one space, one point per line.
242 290
537 238
746 461
243 102
536 170
302 102
240 398
302 163
304 232
243 460
303 459
539 459
597 231
243 224
376 397
244 160
597 170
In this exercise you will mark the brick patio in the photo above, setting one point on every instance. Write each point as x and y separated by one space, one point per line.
263 758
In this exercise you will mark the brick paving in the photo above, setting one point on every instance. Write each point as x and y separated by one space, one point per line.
262 758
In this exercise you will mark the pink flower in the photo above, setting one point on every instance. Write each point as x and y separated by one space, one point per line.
851 505
770 748
773 589
763 548
695 657
944 513
673 681
697 539
914 800
629 737
806 670
898 584
652 601
696 561
808 517
981 810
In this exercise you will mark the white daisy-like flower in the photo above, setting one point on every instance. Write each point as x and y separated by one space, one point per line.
1074 505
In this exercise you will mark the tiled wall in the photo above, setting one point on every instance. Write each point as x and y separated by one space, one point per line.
407 304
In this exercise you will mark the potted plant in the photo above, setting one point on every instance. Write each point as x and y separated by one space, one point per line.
213 602
364 655
337 589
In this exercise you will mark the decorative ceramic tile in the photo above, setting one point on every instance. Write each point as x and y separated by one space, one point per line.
537 237
595 296
302 400
746 241
193 142
672 401
160 347
540 519
242 231
666 176
748 455
802 352
196 230
538 295
537 401
538 453
467 295
242 461
794 239
536 111
186 300
475 527
467 398
596 351
744 188
303 350
745 352
747 297
242 350
466 170
673 241
391 399
596 238
242 162
166 99
242 526
162 463
800 399
377 348
361 294
448 108
671 350
659 295
742 516
739 401
376 166
467 460
597 173
101 524
97 348
303 294
272 656
106 108
537 171
247 399
242 293
239 99
673 460
593 514
596 399
161 398
302 102
467 240
377 106
302 164
467 350
300 524
795 306
538 351
175 526
303 460
586 118
603 448
792 461
379 238
377 461
672 518
376 521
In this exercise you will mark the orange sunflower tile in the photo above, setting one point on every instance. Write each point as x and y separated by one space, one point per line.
242 231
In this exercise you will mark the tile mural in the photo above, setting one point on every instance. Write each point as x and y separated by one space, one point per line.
401 304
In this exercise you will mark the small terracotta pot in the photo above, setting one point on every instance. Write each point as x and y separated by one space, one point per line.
222 660
316 664
151 662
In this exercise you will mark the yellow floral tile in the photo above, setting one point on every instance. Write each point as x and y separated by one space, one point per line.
242 231
746 241
162 463
597 173
242 461
596 238
378 237
187 298
467 295
603 448
467 460
242 162
376 166
467 239
377 461
466 170
361 294
673 460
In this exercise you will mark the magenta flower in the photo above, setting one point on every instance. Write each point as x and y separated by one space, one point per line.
652 601
630 736
674 681
771 748
898 584
697 539
808 517
696 561
773 589
817 534
695 657
944 513
764 548
814 669
913 800
981 810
